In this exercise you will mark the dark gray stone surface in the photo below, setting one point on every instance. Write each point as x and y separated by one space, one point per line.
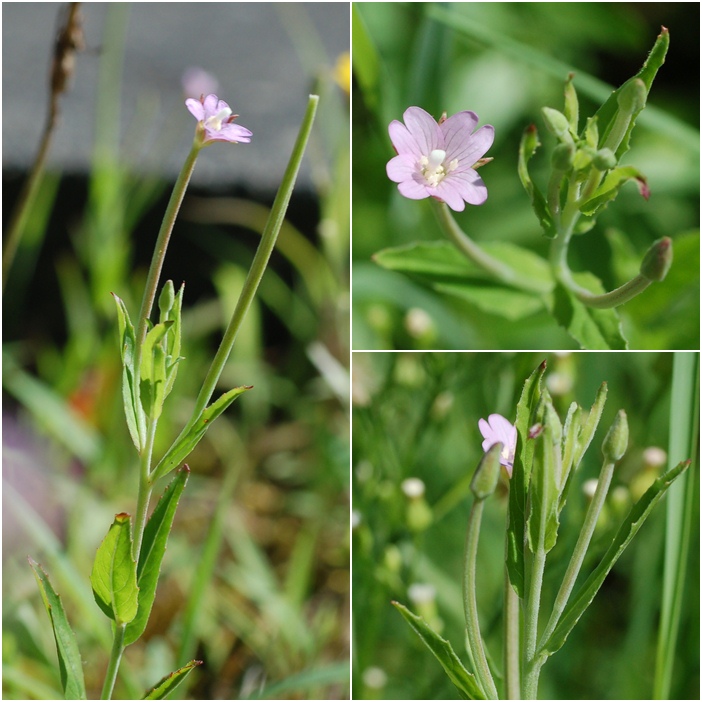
264 56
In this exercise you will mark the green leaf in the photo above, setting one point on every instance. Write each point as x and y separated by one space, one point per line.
465 682
606 115
153 370
366 62
518 484
153 548
542 523
501 302
127 348
166 685
441 262
190 438
610 187
633 522
114 572
593 329
70 662
527 148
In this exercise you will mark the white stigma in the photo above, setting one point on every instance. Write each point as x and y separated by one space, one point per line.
433 169
215 121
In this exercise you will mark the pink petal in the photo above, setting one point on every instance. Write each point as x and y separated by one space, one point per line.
457 131
451 194
424 129
470 186
402 140
401 168
195 108
413 190
467 147
235 132
211 104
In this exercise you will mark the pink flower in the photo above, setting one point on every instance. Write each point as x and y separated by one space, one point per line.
216 119
438 159
498 430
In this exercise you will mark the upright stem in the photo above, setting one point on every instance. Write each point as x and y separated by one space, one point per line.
482 669
531 623
258 267
576 560
115 658
512 689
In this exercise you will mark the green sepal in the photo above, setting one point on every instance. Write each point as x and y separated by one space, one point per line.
527 148
633 522
571 110
542 522
607 114
465 682
166 685
127 339
610 187
113 576
189 439
153 548
69 659
518 484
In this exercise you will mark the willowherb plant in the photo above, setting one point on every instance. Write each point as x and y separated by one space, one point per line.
126 569
540 455
439 161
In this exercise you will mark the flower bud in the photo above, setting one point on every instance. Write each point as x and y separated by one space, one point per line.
604 159
615 443
657 260
557 123
487 473
632 98
166 298
562 157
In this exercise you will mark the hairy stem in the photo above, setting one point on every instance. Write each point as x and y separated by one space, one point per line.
115 658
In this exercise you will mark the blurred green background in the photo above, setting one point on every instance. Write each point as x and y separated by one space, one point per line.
416 416
255 581
505 61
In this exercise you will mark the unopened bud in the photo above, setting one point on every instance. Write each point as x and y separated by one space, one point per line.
615 443
632 98
557 123
166 298
487 473
658 259
562 157
604 159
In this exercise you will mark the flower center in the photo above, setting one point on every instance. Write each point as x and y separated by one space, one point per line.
433 169
215 121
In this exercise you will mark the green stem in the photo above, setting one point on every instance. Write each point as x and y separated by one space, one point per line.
512 689
258 267
482 669
531 623
145 489
496 268
162 240
115 658
576 560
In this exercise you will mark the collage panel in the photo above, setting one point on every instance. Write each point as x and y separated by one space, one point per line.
525 176
588 461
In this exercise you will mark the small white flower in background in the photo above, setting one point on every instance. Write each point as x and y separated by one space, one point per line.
589 488
375 678
413 488
655 457
421 593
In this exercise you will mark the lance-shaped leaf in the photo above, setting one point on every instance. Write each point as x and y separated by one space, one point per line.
129 395
189 439
610 187
153 547
606 115
633 522
465 682
114 572
166 685
527 148
542 523
70 663
153 371
531 392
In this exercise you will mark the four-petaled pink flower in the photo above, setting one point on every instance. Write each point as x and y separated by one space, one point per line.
437 159
498 430
216 119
